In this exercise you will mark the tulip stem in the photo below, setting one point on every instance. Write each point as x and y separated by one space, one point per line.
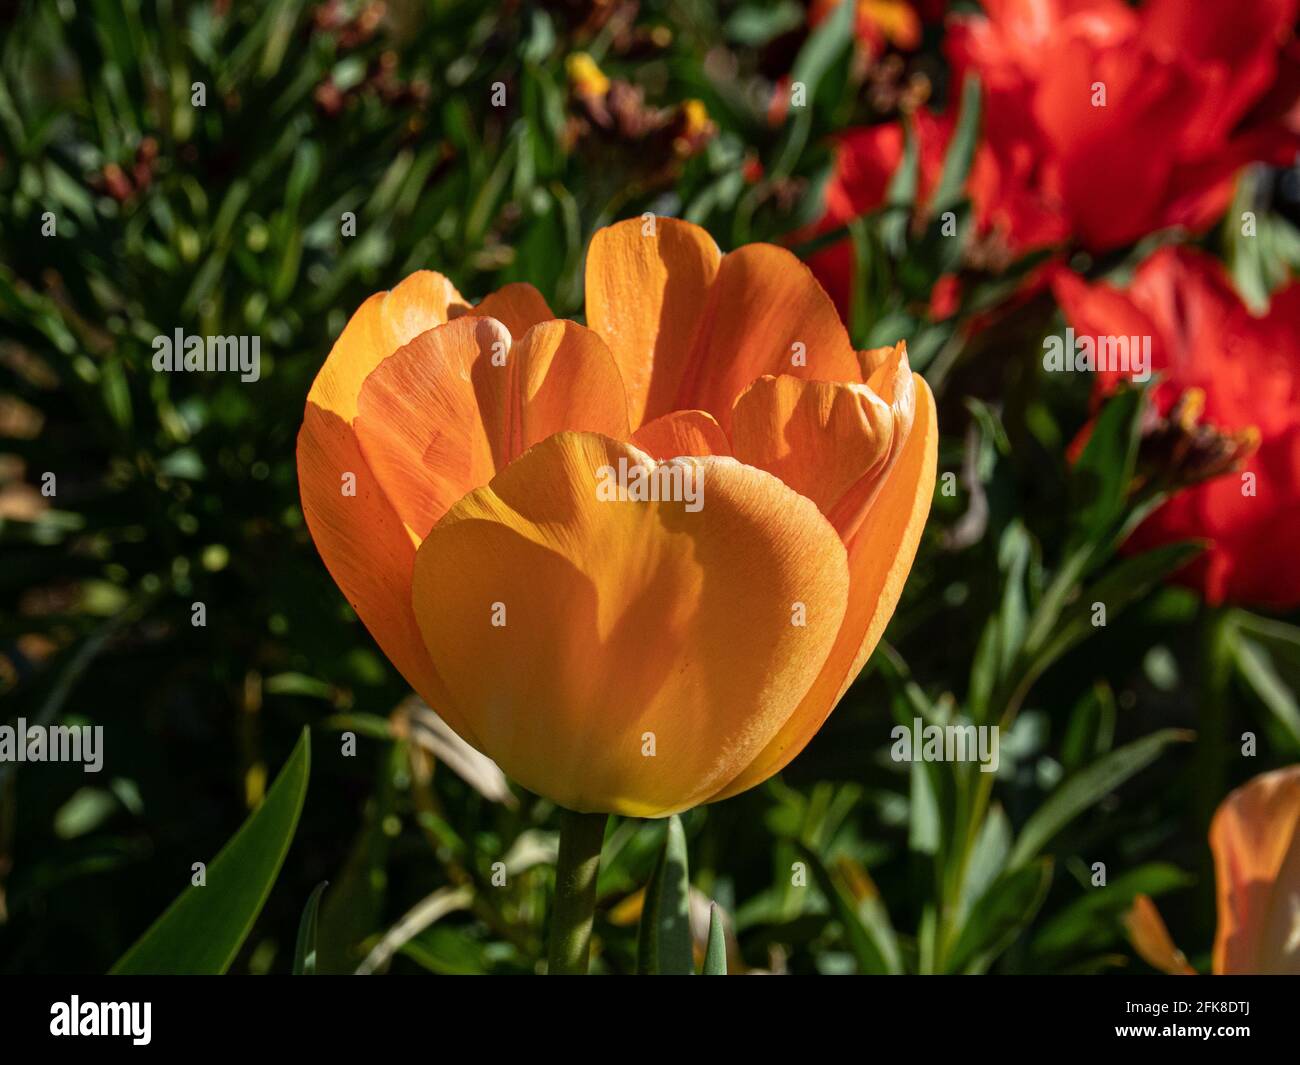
581 836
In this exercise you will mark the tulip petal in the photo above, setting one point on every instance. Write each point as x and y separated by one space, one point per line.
684 432
834 443
1255 837
459 402
560 375
365 548
418 420
647 285
766 314
381 325
880 558
643 652
518 306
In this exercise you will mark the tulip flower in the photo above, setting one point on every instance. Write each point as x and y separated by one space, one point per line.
1242 376
622 656
622 652
1255 839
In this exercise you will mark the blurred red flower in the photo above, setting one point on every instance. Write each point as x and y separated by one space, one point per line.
1102 122
1205 341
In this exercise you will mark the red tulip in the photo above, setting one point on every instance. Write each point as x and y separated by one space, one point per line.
1205 342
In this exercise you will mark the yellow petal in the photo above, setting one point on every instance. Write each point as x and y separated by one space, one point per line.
365 548
518 306
1255 837
766 314
643 652
459 402
683 432
1151 939
834 443
880 558
647 284
381 325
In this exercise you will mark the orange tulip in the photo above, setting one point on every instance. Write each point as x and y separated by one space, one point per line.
613 654
1255 838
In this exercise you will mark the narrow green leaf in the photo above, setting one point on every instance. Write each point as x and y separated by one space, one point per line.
876 953
715 956
961 150
1101 478
1087 787
304 956
664 943
202 931
1000 915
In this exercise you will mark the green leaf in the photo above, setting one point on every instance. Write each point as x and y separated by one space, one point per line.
1101 478
1268 660
870 935
1087 787
664 943
202 931
1000 914
1131 579
961 150
304 956
823 49
715 955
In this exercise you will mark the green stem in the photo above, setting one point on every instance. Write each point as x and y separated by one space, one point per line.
581 836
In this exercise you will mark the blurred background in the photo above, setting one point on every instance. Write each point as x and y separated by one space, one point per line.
200 162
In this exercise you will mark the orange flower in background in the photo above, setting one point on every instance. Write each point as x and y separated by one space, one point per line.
1246 372
1255 838
610 651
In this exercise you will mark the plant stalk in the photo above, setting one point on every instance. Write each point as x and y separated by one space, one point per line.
581 836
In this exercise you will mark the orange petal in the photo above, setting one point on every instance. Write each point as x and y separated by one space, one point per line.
1151 939
831 442
647 284
560 375
459 402
643 652
766 314
381 325
684 432
517 306
418 420
365 548
1255 837
880 558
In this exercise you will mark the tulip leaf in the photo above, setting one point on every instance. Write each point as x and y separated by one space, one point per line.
715 954
1085 788
664 943
202 931
998 917
304 956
